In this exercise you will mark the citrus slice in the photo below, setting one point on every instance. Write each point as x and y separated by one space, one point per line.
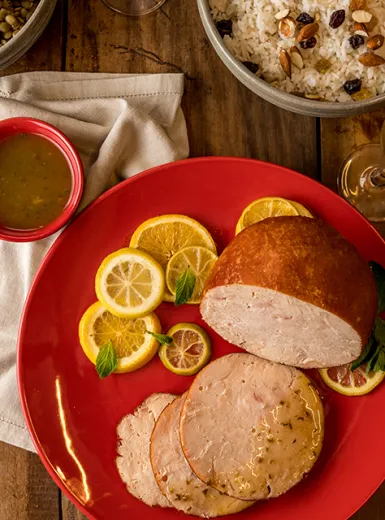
163 236
343 380
199 259
130 283
264 208
304 212
189 351
134 346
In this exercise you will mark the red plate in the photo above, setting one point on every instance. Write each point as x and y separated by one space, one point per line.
72 415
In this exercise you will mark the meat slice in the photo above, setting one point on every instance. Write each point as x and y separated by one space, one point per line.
133 461
294 291
174 476
250 428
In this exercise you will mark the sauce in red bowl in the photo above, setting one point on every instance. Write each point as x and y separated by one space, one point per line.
41 179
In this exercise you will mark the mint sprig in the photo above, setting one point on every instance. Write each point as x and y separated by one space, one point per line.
107 360
365 356
373 354
162 338
380 362
184 287
379 275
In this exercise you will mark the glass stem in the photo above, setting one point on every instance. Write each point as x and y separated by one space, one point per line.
377 177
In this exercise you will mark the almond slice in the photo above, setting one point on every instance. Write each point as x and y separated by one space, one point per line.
296 57
375 42
282 14
360 29
369 59
287 27
361 16
285 62
308 32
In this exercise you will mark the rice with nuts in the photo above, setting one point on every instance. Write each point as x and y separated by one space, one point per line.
255 38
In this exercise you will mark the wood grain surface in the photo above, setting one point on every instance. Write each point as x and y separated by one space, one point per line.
223 118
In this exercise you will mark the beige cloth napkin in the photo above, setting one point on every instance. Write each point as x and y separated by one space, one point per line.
121 125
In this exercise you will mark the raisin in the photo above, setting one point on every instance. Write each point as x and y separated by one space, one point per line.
356 41
352 86
337 19
225 27
305 19
309 44
253 67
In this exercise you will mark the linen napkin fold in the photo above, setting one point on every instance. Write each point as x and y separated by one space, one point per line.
120 125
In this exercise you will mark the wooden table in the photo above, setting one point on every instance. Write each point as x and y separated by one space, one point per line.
223 118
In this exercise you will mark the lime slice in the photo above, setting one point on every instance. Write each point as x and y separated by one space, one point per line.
356 383
189 351
130 283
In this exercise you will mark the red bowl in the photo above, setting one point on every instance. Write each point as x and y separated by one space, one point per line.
27 125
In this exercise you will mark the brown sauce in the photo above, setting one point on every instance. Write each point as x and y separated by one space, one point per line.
35 182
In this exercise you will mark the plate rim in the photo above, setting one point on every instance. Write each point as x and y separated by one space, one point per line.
39 273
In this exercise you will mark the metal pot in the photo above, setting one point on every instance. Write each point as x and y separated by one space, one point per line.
273 95
31 31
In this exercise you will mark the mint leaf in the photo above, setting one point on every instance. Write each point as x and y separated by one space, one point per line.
372 362
379 331
184 287
367 354
380 363
162 338
379 275
107 360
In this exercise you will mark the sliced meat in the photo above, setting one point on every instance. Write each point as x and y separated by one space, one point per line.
250 428
133 461
294 291
175 478
280 328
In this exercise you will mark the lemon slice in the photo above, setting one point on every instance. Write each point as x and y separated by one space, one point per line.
264 208
165 235
130 283
343 380
189 351
134 346
304 212
199 259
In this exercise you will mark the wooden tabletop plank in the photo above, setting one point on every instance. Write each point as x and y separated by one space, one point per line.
374 509
70 512
340 136
223 117
27 491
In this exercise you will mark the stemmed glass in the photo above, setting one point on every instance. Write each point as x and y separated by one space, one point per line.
133 7
361 180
